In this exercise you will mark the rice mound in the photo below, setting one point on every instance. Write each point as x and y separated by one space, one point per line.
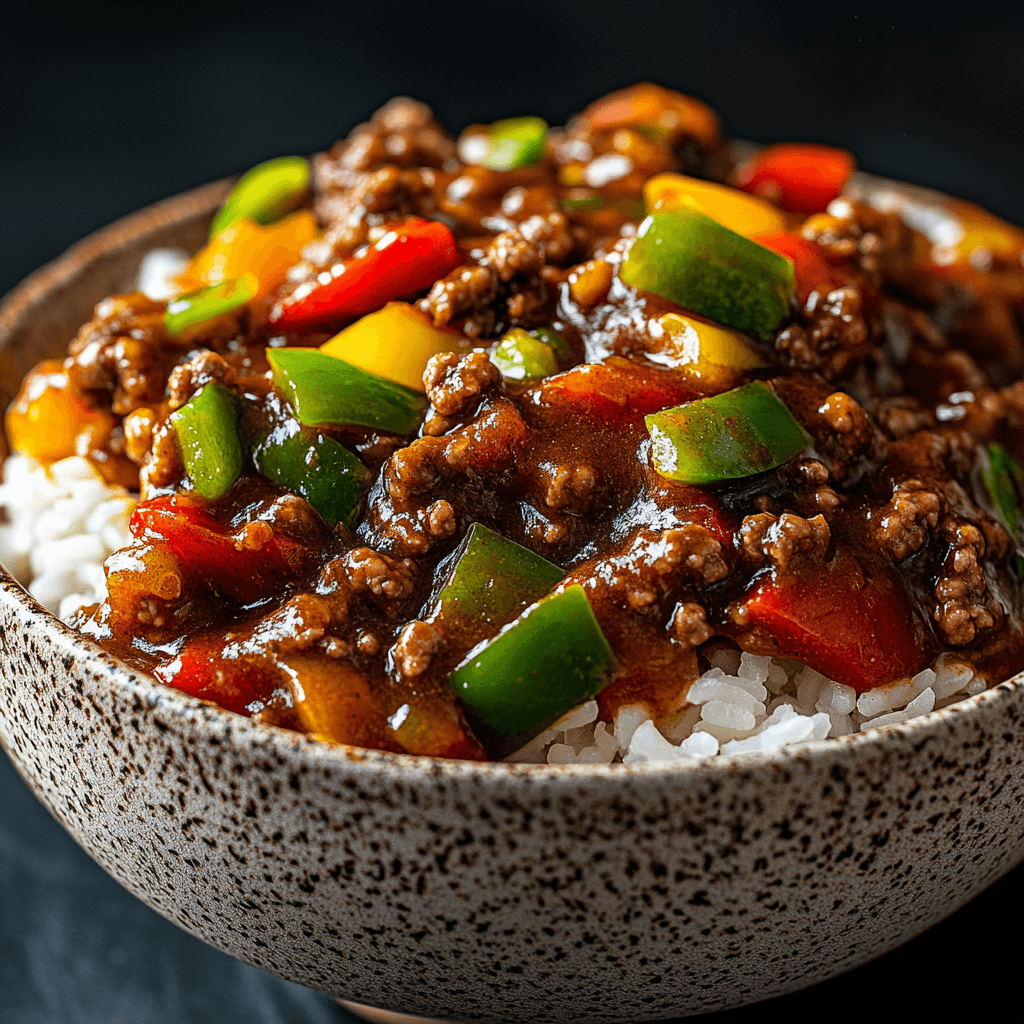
59 526
747 704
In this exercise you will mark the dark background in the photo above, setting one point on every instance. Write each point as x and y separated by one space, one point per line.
105 108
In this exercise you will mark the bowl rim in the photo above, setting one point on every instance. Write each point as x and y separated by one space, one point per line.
174 704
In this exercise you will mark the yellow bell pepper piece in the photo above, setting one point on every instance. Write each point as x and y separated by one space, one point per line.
746 214
47 418
247 248
708 353
395 342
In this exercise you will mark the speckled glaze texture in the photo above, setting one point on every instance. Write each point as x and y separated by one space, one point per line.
494 892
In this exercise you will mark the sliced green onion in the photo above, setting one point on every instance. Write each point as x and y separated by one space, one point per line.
693 261
553 657
207 430
1002 477
520 356
316 467
732 435
265 193
187 314
324 389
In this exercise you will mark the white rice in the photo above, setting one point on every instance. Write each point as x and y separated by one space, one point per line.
59 526
747 704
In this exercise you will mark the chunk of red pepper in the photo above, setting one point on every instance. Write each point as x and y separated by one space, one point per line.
613 392
811 271
248 565
409 258
801 177
849 620
240 684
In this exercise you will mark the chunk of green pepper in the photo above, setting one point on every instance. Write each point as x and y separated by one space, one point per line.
520 356
551 658
188 313
1003 480
514 142
492 579
324 389
316 467
207 431
735 434
693 261
265 193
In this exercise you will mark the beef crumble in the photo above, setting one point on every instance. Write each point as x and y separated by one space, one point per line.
899 370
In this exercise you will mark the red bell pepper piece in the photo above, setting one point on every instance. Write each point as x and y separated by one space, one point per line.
201 670
811 270
801 177
849 622
409 258
241 565
613 392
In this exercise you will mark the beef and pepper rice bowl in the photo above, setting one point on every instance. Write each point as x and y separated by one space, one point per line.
607 442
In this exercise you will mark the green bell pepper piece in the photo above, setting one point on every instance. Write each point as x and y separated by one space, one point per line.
1003 480
732 435
207 430
316 467
520 356
515 142
265 193
325 389
693 261
563 350
492 579
186 313
551 658
1002 476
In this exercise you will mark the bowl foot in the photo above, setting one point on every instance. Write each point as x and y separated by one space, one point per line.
377 1016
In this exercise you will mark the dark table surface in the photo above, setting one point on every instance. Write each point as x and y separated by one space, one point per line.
109 107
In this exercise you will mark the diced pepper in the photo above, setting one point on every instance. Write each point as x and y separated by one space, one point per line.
562 349
47 418
1002 478
801 177
323 389
735 434
708 353
396 342
850 621
492 579
505 145
553 657
201 669
435 729
189 315
244 247
696 263
520 356
249 564
409 258
316 467
333 700
658 112
614 392
745 214
207 429
265 193
810 269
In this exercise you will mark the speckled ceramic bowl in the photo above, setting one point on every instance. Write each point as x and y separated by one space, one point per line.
488 892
